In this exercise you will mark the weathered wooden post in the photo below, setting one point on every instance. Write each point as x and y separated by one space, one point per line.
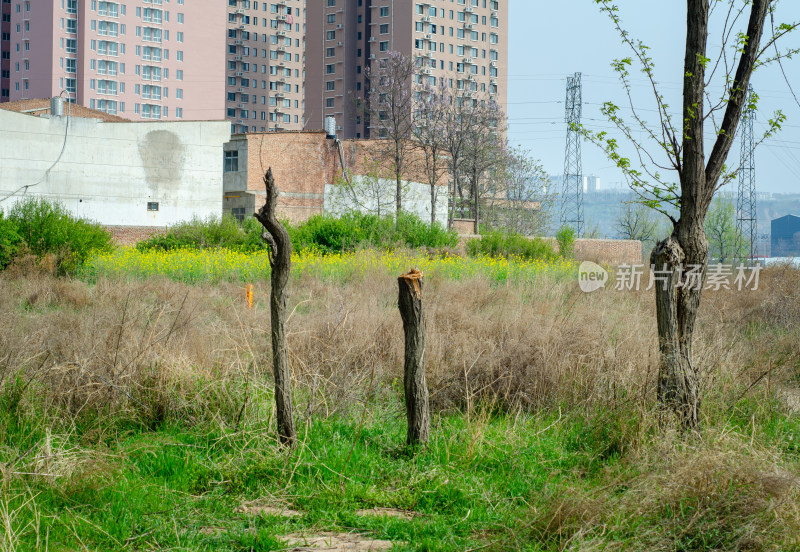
280 261
416 388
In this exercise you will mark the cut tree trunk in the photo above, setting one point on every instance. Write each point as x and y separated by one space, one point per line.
280 256
416 388
677 302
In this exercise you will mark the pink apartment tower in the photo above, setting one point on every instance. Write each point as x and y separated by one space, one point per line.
142 60
460 43
264 62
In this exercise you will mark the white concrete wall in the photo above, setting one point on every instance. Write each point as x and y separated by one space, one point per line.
110 171
372 193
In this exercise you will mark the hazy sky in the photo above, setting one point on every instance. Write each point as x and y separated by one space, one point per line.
552 39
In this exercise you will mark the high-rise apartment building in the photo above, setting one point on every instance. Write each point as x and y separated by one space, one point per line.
264 64
5 49
140 59
460 43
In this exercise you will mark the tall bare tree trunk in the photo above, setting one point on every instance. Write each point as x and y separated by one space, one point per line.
399 184
433 179
416 388
280 259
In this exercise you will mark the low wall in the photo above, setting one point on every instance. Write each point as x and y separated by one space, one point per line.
611 252
130 235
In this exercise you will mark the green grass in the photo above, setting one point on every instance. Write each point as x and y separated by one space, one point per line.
483 482
178 487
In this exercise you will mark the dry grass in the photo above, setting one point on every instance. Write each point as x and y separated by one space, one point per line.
141 347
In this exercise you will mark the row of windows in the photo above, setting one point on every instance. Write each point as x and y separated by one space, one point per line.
232 113
272 101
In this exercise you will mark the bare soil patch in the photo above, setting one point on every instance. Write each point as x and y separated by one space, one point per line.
388 512
335 542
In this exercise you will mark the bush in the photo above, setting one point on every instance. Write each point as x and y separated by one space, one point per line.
212 233
10 241
47 228
320 233
506 244
566 241
352 230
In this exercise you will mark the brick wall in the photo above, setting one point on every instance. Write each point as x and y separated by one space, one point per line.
130 235
613 252
304 162
610 252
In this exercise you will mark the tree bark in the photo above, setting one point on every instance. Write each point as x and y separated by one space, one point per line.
416 388
280 259
399 184
677 303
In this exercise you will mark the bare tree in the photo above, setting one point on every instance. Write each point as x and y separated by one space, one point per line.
485 150
367 193
280 262
680 149
389 107
463 118
518 197
429 128
638 222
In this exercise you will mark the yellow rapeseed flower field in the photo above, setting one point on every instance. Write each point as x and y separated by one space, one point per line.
196 266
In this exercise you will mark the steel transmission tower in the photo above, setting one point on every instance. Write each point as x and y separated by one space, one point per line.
746 218
572 184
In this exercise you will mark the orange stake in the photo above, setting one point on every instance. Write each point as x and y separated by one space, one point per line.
249 295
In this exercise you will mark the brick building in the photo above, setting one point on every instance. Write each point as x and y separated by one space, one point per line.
307 166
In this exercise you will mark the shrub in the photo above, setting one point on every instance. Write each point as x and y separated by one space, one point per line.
566 241
352 230
47 228
10 241
211 233
504 244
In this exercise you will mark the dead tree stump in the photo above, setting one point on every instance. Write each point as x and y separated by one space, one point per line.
415 386
280 261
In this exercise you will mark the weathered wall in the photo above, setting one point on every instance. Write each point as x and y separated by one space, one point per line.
131 235
108 172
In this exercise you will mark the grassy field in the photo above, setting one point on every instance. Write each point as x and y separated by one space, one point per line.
136 412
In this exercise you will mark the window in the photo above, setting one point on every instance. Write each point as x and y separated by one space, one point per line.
384 46
152 206
384 12
231 161
384 29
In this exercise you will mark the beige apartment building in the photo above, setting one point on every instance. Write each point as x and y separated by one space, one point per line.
461 43
264 65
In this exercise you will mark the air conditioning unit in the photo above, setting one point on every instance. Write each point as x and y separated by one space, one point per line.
339 26
428 37
340 44
468 26
280 33
372 39
426 19
239 74
468 60
372 56
493 64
